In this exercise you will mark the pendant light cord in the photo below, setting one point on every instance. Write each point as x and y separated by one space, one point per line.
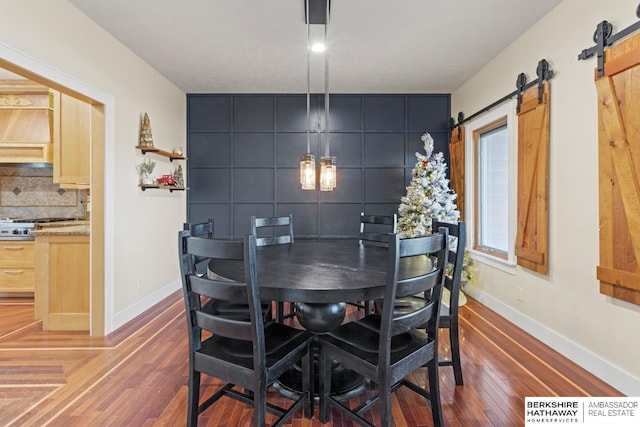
326 83
308 82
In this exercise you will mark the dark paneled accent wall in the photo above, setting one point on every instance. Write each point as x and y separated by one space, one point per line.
244 153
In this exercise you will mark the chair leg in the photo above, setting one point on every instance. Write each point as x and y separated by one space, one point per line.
260 405
279 311
325 386
292 309
434 393
386 417
194 398
367 308
455 352
307 381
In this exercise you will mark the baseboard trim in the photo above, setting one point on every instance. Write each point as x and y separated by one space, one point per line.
139 307
614 376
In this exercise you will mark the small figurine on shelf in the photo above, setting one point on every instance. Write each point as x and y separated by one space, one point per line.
146 140
146 169
178 176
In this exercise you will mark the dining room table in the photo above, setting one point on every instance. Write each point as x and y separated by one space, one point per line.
320 276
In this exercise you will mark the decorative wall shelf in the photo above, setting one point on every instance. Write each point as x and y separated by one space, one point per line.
171 188
171 156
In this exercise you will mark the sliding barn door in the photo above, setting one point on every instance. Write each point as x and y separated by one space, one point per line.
619 171
456 153
533 181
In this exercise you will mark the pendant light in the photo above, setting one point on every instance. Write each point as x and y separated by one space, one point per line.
327 163
308 160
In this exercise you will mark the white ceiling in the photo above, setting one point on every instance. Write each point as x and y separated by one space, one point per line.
259 46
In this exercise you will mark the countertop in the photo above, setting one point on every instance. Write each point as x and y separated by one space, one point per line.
63 227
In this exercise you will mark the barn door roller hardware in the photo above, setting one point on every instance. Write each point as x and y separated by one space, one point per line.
543 72
603 37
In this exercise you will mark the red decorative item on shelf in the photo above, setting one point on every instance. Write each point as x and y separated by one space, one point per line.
166 180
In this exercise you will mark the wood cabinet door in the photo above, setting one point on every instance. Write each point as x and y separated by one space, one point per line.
619 171
72 142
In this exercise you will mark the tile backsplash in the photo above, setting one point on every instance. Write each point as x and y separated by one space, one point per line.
29 192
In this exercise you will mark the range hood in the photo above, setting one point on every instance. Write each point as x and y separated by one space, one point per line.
26 122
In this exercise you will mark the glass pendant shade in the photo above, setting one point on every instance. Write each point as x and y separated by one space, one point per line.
308 172
327 173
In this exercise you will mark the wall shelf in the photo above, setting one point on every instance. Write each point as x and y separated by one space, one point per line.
171 156
171 188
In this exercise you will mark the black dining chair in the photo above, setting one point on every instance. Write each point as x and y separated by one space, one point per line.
397 348
275 231
375 230
201 267
449 309
243 354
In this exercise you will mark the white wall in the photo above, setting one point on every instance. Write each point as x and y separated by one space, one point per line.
141 226
564 308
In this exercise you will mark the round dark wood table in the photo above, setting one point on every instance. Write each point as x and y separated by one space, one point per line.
323 275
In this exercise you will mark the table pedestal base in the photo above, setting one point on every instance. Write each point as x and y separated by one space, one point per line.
345 383
322 318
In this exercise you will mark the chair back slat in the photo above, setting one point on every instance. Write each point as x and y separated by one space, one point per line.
274 240
221 290
272 230
378 219
407 322
418 284
375 237
223 326
211 248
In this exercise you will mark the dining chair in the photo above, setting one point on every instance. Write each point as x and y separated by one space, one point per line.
375 230
397 348
275 231
243 354
449 309
201 267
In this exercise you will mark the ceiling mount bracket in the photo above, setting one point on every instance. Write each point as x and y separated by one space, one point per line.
317 11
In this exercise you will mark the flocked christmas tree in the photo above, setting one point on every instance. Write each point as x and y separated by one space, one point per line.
428 196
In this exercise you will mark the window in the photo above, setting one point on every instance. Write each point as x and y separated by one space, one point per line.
491 189
492 194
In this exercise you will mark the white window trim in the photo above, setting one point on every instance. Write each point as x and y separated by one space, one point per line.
505 110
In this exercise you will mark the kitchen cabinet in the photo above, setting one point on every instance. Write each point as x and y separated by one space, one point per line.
26 122
17 261
71 141
62 289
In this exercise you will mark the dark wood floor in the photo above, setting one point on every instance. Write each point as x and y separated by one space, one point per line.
137 376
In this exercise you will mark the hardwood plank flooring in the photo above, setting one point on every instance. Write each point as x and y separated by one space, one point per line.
137 376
